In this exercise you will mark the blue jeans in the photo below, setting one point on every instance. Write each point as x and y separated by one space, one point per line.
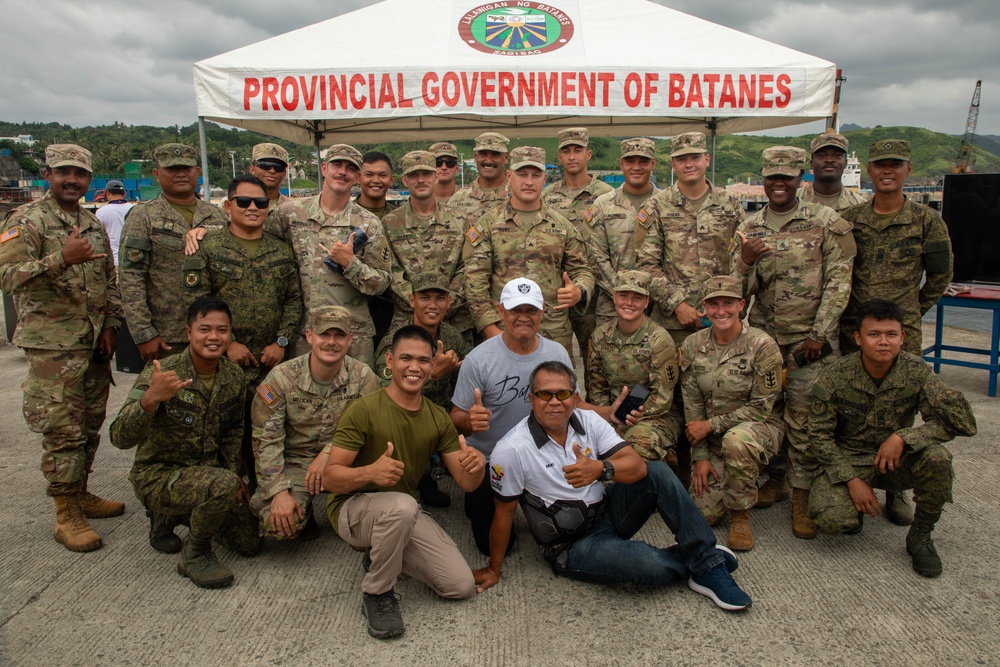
608 555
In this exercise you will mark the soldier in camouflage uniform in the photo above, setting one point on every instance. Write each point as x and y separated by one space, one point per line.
572 196
269 164
446 166
255 273
527 238
295 413
688 231
185 416
731 379
900 243
828 162
56 262
152 263
796 259
635 350
425 235
490 189
614 236
861 426
326 226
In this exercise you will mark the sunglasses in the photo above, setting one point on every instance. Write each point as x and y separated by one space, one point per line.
244 202
268 165
446 162
562 394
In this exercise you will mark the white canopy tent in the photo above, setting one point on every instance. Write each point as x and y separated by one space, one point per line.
444 69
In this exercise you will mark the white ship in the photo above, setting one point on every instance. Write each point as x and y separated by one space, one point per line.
852 174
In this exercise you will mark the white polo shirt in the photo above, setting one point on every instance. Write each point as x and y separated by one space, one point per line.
527 465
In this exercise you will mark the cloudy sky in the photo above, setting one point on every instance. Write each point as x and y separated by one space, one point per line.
908 62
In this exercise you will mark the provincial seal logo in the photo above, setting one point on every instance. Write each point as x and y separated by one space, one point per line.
530 28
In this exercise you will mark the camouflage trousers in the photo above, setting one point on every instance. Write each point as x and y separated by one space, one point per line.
802 465
655 437
562 335
927 471
737 457
261 506
583 325
65 399
208 495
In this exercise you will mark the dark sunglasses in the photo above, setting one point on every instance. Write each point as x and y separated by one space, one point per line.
446 162
562 394
244 202
268 165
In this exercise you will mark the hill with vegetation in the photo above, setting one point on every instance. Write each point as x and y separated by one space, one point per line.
737 156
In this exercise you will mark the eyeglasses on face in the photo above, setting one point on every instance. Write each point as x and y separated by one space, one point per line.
446 162
268 165
562 394
244 202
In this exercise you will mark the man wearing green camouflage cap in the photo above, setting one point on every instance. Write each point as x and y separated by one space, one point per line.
796 258
688 231
328 227
490 189
614 235
525 237
731 381
269 163
295 413
828 161
446 163
630 350
572 196
425 235
56 263
151 255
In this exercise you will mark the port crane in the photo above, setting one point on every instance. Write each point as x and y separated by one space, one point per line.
965 163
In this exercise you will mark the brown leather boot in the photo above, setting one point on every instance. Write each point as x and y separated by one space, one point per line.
802 526
740 535
72 530
95 507
775 490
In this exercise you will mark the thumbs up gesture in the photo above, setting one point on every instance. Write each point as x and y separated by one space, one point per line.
569 294
77 250
584 471
163 385
751 249
445 363
386 471
472 460
479 416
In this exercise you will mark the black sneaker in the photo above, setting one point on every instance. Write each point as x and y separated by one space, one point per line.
382 612
719 586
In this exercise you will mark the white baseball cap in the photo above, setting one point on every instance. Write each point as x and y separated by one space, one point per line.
520 292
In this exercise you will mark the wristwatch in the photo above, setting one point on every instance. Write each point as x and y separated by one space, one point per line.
609 471
282 341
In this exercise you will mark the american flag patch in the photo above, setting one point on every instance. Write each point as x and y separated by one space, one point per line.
11 233
267 393
472 234
643 216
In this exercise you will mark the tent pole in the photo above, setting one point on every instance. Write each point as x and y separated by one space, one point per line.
205 189
319 172
712 125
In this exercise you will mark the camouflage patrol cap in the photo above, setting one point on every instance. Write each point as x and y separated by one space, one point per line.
633 281
640 146
324 318
68 155
829 139
492 141
418 161
269 152
783 161
175 155
428 280
889 149
723 286
574 136
527 156
345 153
688 143
443 149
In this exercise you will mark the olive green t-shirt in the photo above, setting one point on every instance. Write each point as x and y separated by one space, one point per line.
185 210
374 420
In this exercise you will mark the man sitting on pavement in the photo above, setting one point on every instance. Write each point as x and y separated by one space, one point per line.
295 413
554 461
861 428
381 447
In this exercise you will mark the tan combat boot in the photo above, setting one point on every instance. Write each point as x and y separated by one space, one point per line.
740 535
802 526
95 507
775 490
72 530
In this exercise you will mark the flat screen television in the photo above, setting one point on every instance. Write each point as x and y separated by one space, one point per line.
971 209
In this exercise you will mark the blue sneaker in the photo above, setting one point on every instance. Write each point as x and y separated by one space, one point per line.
718 585
729 558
